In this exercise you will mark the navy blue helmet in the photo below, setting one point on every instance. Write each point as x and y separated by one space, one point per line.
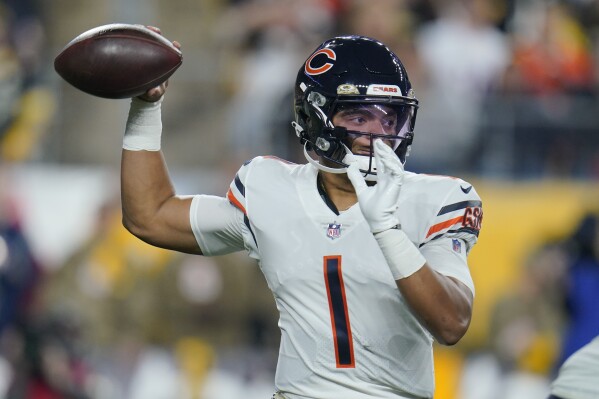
346 72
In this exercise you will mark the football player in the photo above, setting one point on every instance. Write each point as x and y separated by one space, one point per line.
367 262
578 376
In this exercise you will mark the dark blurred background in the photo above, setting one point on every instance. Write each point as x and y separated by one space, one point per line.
509 100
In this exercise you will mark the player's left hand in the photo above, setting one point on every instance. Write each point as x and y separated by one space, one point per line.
379 203
156 93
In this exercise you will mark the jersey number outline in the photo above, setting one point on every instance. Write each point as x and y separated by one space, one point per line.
342 336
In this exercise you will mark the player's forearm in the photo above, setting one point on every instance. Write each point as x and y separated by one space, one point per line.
145 187
442 304
151 211
145 183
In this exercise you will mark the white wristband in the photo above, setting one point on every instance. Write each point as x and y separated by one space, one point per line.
403 258
144 126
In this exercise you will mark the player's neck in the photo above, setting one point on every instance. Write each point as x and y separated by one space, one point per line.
339 190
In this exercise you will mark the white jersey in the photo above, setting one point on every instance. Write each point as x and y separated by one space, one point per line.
578 377
346 330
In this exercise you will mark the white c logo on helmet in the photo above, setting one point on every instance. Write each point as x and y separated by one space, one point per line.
321 69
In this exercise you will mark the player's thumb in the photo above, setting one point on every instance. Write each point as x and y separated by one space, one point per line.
356 178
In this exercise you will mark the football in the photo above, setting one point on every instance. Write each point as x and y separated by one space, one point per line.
118 60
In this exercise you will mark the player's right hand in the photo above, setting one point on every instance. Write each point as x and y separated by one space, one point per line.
379 203
155 93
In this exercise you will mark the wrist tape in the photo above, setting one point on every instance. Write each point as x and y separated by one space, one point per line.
144 126
403 258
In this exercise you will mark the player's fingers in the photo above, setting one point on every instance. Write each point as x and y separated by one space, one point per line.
378 157
356 178
392 167
382 149
155 93
155 29
380 166
387 157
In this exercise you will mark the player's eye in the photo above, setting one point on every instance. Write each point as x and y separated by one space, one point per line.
389 122
357 119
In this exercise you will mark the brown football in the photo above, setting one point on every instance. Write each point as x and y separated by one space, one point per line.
118 60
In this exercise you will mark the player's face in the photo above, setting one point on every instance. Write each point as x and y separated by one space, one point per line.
374 119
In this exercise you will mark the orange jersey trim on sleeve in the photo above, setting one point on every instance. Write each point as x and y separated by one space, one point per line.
443 225
235 202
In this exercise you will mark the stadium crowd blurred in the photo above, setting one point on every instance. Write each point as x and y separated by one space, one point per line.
509 96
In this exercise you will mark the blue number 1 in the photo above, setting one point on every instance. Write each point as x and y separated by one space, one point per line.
342 338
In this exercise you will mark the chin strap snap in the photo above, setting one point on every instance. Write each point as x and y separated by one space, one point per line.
298 129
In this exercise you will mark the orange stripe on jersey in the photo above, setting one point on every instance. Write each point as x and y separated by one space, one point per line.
235 201
444 225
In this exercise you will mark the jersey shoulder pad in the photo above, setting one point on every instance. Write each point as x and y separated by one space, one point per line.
237 189
458 212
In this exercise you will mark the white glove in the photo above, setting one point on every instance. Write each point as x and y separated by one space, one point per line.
379 203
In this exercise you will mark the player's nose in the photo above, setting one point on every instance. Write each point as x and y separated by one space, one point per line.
376 126
363 144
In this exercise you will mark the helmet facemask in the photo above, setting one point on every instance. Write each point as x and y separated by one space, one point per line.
361 120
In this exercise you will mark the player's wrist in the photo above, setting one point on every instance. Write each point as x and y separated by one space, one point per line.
144 126
391 225
403 258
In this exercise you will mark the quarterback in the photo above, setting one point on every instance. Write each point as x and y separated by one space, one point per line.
367 262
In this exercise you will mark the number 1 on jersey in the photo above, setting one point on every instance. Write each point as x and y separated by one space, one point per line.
342 338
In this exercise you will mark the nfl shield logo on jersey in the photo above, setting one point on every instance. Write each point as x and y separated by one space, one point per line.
333 231
457 245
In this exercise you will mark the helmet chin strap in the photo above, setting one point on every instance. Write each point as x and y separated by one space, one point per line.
362 160
363 164
320 166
